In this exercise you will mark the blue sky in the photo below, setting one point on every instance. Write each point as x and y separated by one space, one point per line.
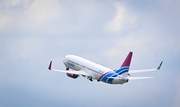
34 32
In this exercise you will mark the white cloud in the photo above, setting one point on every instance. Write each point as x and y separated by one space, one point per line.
122 19
25 48
40 11
126 44
31 14
4 20
9 15
13 3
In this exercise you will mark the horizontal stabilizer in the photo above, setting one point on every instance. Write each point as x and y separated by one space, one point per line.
137 78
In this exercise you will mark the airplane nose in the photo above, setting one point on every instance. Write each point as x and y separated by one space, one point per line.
64 60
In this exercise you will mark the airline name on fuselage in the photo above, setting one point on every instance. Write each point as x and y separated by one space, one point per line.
73 64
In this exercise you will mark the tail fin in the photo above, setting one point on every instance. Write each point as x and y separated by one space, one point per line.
125 66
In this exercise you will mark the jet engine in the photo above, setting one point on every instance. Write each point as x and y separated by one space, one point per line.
74 76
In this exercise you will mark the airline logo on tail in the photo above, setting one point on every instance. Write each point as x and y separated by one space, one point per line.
123 70
126 64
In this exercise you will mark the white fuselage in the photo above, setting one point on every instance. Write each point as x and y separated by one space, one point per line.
95 71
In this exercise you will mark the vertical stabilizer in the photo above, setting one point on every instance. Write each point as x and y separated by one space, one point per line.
127 61
125 66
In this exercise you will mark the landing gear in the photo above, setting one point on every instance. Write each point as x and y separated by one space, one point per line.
67 69
90 79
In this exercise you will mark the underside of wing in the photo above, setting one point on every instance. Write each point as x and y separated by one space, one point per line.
137 78
66 71
72 72
146 70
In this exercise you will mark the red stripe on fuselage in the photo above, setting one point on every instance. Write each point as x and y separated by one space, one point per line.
103 75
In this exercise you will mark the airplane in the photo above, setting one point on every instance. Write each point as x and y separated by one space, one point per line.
76 66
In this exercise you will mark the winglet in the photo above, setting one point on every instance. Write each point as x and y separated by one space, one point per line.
50 65
160 65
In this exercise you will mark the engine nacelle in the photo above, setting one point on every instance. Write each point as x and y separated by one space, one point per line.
74 76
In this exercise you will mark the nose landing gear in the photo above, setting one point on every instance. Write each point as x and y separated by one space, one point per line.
67 69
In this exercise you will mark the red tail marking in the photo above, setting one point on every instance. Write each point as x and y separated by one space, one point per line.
127 61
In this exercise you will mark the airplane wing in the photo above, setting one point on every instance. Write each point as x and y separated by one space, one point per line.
137 78
146 70
72 72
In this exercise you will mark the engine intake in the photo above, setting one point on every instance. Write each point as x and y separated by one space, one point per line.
74 76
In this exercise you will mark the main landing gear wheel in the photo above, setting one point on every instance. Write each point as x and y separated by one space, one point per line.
67 69
90 79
